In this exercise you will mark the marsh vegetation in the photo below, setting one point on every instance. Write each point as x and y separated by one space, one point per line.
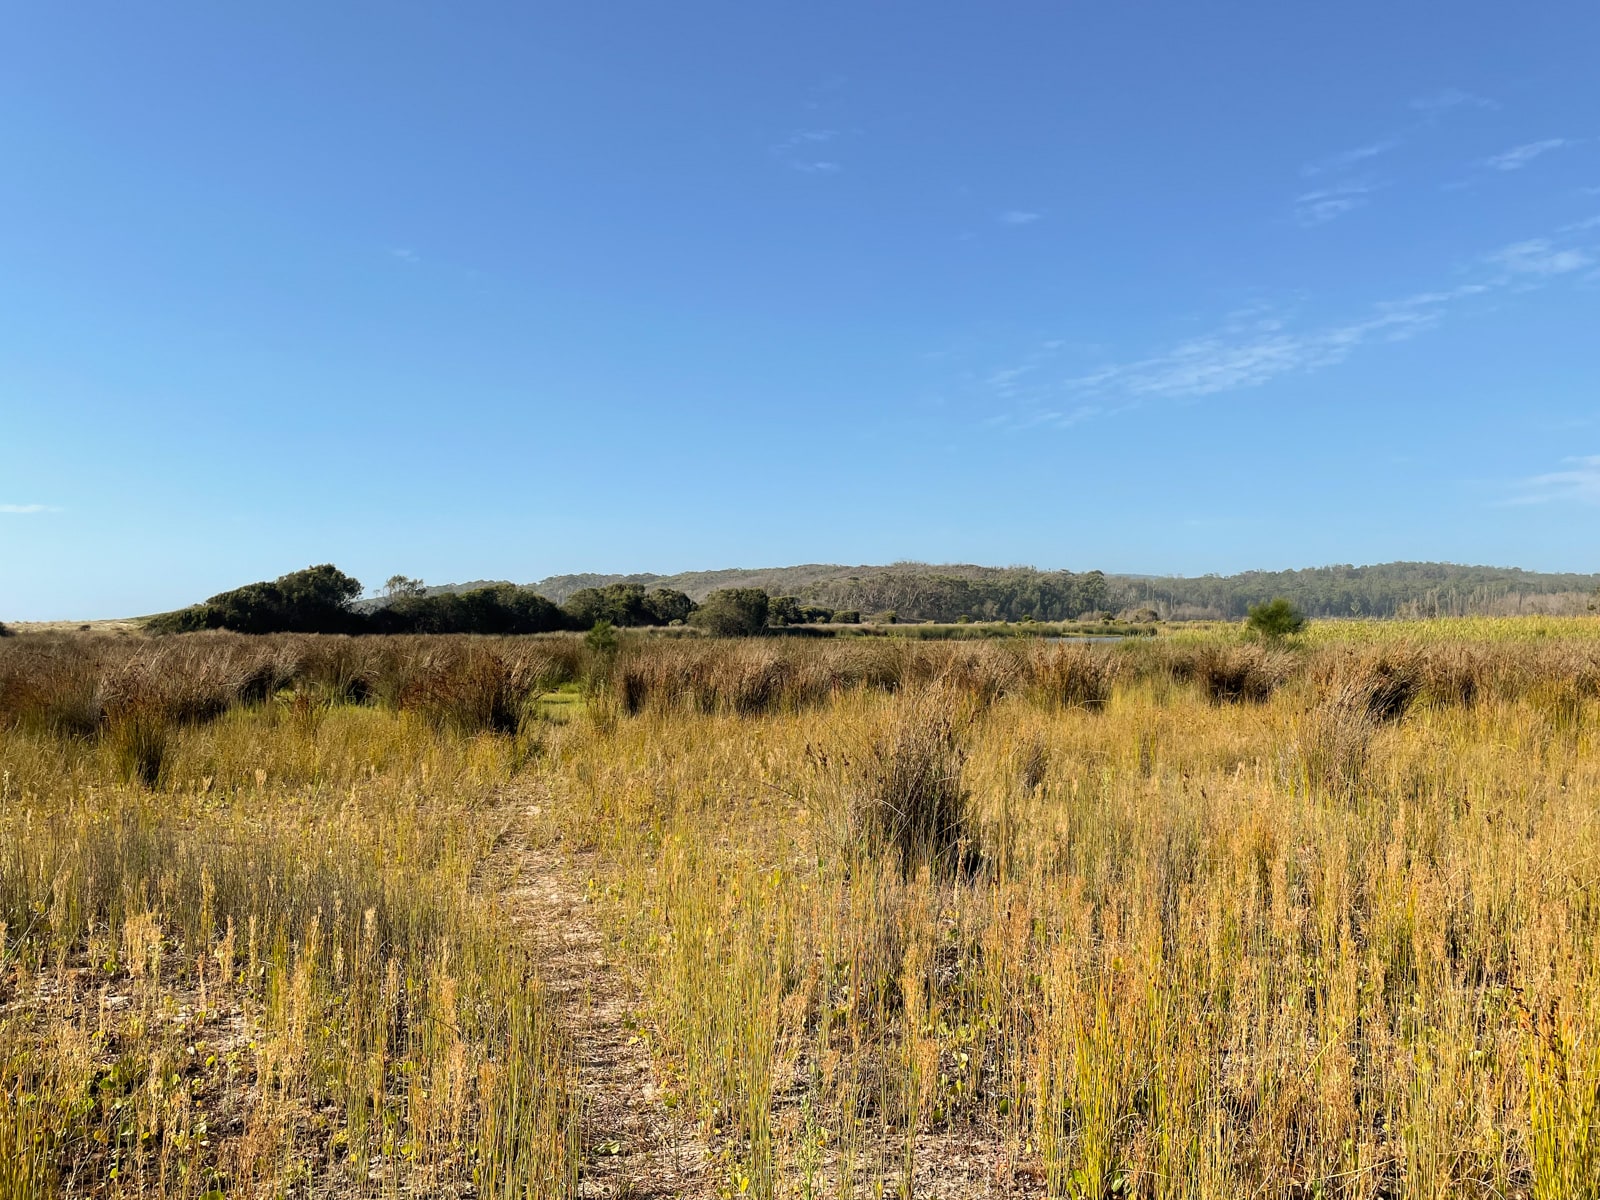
1183 916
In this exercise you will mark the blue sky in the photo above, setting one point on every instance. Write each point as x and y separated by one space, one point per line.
501 291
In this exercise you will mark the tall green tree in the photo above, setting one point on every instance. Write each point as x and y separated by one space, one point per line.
315 600
666 605
733 612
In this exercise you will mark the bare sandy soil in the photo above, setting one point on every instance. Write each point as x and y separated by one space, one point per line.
633 1146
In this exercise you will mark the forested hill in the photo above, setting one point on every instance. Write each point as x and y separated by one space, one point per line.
1407 589
922 591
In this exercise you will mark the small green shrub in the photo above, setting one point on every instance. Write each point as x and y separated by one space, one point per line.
602 638
1275 619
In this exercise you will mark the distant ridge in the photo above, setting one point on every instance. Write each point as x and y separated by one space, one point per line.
941 591
780 581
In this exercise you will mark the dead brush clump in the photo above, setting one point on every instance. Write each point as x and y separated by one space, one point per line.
1455 674
47 688
634 684
275 667
1234 674
191 682
1335 740
1073 676
341 669
1360 693
820 673
747 677
982 672
473 690
1382 683
139 739
146 699
660 677
1558 681
879 665
751 678
907 796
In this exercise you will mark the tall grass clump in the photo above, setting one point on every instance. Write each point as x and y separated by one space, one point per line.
49 688
476 689
1234 673
907 796
1074 676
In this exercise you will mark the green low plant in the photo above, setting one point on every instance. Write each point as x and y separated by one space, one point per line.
1275 619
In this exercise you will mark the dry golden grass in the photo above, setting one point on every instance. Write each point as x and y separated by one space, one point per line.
267 976
915 919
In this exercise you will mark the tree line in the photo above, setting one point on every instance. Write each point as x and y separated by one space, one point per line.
1398 589
995 595
322 599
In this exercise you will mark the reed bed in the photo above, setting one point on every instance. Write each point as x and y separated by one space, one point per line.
1185 917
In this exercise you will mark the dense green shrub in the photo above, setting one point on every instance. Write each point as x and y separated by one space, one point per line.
1275 619
315 600
791 610
602 639
626 605
502 609
733 612
667 606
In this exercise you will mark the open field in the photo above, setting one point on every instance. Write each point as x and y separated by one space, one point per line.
1181 916
126 626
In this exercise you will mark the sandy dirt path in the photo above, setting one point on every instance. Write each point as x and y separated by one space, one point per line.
632 1145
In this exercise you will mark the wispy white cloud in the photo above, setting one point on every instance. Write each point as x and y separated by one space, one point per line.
1005 380
1225 362
804 137
25 509
1328 204
1019 216
801 151
826 92
1053 417
405 255
1518 157
1346 159
1437 103
1257 346
1579 481
1539 256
